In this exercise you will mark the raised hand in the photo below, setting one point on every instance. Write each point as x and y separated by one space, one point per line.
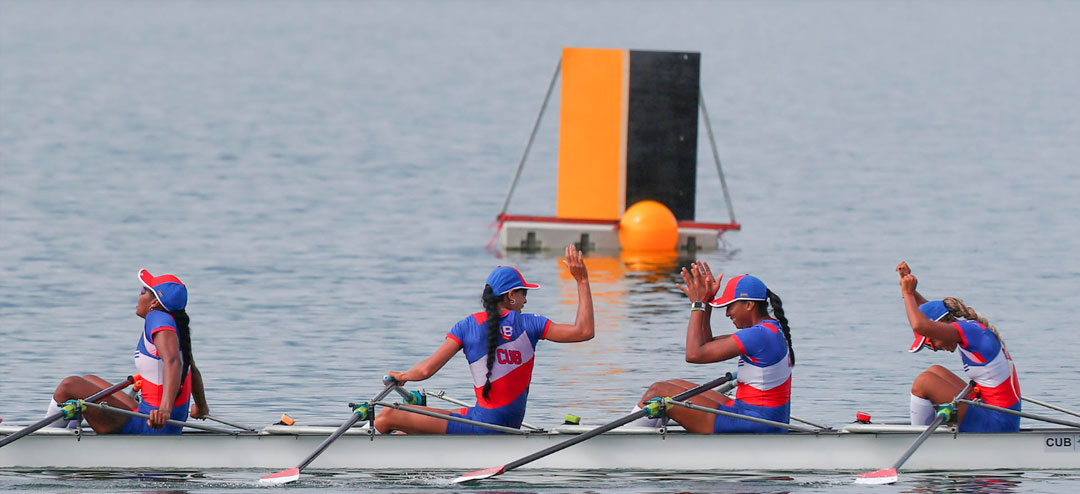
575 260
903 269
908 282
713 283
700 286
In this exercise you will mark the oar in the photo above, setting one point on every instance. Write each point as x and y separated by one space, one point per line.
52 418
129 413
499 470
226 422
442 396
890 475
1052 407
1020 414
291 474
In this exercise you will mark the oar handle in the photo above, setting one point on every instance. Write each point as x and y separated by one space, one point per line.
724 413
451 418
52 418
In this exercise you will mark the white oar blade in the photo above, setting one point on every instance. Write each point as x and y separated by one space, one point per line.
885 476
480 474
282 477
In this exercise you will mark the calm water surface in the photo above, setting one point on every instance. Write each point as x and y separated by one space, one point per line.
323 176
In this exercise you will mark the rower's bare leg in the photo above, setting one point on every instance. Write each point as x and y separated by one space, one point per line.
129 402
691 420
389 419
939 385
711 395
78 387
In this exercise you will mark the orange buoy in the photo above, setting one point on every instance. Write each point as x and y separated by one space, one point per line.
648 226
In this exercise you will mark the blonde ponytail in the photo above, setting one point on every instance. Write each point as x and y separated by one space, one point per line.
959 310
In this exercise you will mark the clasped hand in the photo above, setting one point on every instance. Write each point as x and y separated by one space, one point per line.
699 283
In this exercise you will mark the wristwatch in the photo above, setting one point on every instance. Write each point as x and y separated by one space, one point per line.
697 306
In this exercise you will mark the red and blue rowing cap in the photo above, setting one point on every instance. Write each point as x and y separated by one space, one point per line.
933 311
167 288
743 287
504 279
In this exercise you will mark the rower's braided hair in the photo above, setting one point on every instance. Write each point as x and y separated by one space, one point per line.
183 332
778 310
491 306
958 309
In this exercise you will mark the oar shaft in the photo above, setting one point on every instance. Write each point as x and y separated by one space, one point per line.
1019 414
341 430
726 413
613 425
226 422
401 391
129 413
938 420
421 411
1053 407
52 418
807 422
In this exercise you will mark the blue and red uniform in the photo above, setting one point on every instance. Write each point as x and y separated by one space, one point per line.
149 365
764 381
511 372
989 365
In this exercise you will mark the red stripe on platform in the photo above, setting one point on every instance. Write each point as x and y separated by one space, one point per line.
582 221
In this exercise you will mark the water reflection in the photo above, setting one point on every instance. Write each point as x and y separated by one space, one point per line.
997 482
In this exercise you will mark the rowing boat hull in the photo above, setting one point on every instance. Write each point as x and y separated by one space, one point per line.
866 448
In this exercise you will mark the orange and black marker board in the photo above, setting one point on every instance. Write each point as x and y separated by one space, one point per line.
627 132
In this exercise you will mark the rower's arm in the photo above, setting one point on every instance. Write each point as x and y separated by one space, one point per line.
429 366
168 348
919 322
702 348
584 327
923 325
904 270
198 393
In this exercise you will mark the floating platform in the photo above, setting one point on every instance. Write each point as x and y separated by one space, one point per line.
536 233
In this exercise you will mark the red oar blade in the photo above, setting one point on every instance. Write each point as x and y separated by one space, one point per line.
282 477
885 476
480 474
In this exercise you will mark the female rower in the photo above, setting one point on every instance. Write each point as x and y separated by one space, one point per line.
163 359
947 325
499 345
762 343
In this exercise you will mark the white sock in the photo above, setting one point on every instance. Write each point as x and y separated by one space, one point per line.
644 421
55 407
922 411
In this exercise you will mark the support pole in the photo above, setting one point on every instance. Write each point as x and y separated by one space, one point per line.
716 156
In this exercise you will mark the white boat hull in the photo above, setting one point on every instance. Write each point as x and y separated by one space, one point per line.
854 449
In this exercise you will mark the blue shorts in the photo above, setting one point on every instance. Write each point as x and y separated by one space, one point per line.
485 415
978 419
138 425
724 424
